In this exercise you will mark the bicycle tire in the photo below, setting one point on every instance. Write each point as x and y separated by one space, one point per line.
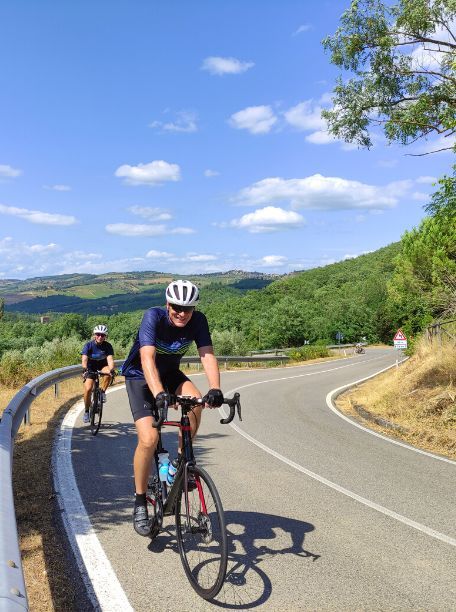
202 544
96 411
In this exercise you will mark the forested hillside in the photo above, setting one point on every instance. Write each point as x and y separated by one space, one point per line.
349 296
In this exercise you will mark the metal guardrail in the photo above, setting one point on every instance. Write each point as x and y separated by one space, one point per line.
13 595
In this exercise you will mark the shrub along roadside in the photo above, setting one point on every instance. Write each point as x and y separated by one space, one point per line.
304 353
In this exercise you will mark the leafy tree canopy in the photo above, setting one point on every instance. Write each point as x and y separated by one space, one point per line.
403 61
424 282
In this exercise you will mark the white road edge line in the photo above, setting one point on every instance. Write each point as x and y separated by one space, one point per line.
331 406
362 500
103 587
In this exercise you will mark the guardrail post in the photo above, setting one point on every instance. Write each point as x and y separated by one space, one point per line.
57 390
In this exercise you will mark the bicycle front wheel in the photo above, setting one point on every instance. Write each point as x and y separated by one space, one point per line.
96 410
201 533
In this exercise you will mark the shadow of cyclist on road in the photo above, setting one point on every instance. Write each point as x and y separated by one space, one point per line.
253 538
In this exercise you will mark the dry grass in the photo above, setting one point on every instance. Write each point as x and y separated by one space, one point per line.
419 396
49 580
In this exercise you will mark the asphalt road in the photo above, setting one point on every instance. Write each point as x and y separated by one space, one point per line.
321 514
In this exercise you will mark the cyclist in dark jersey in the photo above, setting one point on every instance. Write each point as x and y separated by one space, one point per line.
152 377
97 355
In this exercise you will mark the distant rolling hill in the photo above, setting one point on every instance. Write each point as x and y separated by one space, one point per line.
116 292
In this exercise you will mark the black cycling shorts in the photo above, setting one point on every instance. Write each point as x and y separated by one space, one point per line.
140 396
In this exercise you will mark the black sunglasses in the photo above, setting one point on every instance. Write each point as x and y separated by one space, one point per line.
178 308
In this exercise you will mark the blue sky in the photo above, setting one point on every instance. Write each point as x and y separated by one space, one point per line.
185 136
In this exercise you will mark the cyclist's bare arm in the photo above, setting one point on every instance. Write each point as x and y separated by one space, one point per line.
84 361
149 367
210 366
110 360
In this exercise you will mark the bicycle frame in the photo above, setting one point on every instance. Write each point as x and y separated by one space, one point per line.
188 459
195 503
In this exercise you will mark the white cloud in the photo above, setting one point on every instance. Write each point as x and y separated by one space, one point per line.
186 122
323 193
255 119
57 187
321 137
19 259
159 255
210 173
132 229
199 257
37 216
147 212
302 28
305 116
273 260
9 172
225 65
268 219
152 173
426 180
419 196
182 230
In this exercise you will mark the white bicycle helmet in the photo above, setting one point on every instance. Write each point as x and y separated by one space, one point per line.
100 329
182 293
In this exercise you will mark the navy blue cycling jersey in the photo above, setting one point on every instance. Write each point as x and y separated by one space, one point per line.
97 354
170 342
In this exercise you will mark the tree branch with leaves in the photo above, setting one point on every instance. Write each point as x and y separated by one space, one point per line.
402 60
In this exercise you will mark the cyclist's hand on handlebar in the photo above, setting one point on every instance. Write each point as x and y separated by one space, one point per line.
113 372
164 399
85 373
213 398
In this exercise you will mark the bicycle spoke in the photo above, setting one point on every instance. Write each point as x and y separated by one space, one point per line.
201 535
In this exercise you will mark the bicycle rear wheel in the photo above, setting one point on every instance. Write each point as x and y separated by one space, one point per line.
201 534
96 410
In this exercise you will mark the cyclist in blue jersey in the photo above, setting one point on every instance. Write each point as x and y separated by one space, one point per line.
152 377
97 355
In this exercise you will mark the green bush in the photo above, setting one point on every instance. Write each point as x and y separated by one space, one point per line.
18 367
229 342
304 353
14 370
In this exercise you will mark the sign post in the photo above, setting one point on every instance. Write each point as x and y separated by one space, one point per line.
400 340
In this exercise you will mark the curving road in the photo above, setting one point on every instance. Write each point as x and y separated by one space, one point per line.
322 515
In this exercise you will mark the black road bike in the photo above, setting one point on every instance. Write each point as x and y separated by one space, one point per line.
195 503
96 402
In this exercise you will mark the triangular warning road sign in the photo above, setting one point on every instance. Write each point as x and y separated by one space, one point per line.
400 335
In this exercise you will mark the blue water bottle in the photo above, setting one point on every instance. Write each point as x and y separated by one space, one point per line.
172 469
163 462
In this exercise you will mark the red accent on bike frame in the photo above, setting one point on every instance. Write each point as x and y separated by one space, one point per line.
150 500
186 428
201 495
